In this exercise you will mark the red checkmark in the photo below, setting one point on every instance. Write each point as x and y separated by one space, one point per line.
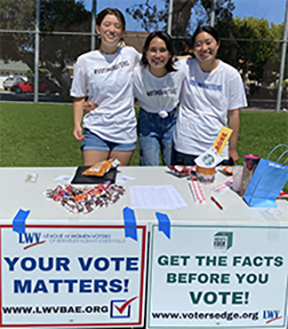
122 308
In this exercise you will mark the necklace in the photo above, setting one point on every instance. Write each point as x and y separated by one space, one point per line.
109 54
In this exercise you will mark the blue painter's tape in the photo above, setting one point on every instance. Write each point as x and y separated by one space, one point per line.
19 221
130 223
164 223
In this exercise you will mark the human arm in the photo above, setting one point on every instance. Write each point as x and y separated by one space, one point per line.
78 105
234 124
88 106
184 56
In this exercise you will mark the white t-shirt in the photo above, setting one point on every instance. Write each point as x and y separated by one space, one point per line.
157 94
204 103
107 80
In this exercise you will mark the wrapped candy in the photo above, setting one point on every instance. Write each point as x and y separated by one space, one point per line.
179 170
182 171
84 200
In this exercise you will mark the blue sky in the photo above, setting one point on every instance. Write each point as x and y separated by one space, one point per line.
272 10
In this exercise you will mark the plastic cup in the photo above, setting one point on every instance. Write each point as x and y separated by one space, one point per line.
205 174
250 162
237 178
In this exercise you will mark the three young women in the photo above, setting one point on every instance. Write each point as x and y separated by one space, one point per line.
212 90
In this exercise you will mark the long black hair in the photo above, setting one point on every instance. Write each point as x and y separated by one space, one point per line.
169 45
208 29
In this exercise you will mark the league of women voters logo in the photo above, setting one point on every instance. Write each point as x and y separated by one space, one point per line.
32 239
223 240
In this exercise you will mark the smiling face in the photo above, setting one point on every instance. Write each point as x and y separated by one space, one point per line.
110 31
205 49
157 56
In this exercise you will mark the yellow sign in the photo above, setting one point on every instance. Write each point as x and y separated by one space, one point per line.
222 138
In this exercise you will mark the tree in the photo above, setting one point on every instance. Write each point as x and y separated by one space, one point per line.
246 56
152 18
56 51
250 57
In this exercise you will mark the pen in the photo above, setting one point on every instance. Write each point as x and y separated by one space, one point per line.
216 202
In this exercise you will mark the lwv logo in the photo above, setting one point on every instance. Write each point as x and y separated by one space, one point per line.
271 315
30 238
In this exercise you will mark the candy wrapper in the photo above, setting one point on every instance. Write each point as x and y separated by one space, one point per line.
227 170
84 200
101 168
183 171
180 171
283 195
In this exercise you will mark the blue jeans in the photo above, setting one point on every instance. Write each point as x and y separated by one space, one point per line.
152 132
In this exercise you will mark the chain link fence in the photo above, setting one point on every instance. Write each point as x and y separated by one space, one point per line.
50 35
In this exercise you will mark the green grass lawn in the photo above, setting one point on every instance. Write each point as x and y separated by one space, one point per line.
41 135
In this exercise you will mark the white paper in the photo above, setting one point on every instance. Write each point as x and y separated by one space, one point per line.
123 179
63 178
31 178
155 197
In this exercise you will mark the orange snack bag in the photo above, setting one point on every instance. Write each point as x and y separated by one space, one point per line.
101 168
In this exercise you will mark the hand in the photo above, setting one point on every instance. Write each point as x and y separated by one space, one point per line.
234 156
77 133
88 106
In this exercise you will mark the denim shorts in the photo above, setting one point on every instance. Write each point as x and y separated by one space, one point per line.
93 142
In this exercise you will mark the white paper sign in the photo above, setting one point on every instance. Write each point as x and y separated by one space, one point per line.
68 275
228 276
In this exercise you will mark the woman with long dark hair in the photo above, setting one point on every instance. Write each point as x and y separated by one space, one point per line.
106 76
213 91
157 83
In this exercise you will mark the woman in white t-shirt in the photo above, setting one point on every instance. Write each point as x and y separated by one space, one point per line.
106 76
157 83
213 90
